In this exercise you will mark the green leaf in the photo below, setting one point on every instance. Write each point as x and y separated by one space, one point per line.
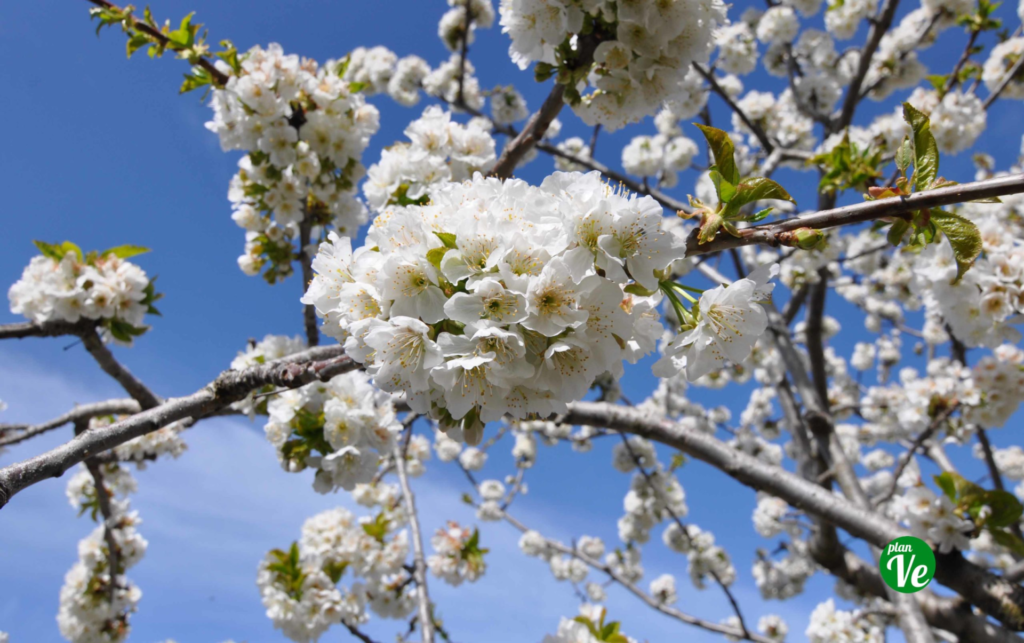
926 152
896 232
447 238
946 483
198 78
435 255
356 87
1008 540
751 190
759 215
1006 509
905 155
722 148
136 42
963 235
725 190
70 247
125 251
49 250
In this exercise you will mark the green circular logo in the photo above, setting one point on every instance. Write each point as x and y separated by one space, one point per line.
907 564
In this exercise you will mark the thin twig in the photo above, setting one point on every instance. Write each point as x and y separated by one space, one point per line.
419 562
22 432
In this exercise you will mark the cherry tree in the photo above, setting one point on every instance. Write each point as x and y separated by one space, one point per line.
464 310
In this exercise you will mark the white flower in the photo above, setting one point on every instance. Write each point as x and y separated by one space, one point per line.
729 324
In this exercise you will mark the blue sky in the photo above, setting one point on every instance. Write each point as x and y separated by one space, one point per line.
102 151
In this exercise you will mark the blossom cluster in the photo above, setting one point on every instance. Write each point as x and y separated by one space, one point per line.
831 625
457 554
439 150
934 518
646 49
340 428
498 297
729 321
65 284
706 559
982 307
304 128
300 587
659 156
97 600
655 494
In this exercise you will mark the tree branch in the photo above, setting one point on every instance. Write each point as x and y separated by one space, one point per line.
756 129
769 234
992 594
517 148
878 28
56 328
1007 79
219 77
306 260
22 432
103 500
419 562
131 384
642 595
686 532
231 386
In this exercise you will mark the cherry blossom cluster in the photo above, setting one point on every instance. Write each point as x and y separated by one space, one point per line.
498 297
934 518
830 625
655 494
457 554
998 66
727 323
300 587
659 156
706 559
340 429
582 629
439 150
983 306
1000 379
97 600
304 128
65 284
166 441
645 49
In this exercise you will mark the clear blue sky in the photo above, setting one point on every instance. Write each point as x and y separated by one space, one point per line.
102 151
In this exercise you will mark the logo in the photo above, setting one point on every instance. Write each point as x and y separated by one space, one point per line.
907 564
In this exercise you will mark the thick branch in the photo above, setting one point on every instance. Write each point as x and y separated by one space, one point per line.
21 330
992 594
131 384
419 561
813 334
517 148
22 432
769 234
231 386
